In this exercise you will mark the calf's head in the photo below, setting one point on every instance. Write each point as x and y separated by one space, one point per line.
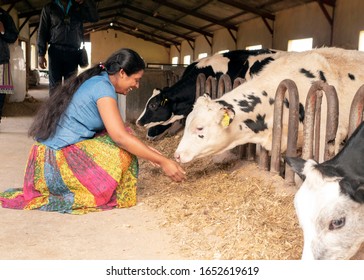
330 210
206 131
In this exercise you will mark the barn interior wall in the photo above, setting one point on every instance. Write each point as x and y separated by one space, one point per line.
186 50
302 22
223 41
202 46
104 43
254 32
349 21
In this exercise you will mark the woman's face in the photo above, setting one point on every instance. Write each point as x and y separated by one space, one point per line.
124 84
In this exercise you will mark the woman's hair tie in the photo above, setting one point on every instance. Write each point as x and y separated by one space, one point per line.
102 66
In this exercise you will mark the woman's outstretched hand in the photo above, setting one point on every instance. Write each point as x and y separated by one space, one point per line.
173 170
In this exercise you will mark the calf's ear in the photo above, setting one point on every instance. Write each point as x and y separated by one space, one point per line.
227 117
297 165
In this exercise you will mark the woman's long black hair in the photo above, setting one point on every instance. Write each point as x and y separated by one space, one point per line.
45 122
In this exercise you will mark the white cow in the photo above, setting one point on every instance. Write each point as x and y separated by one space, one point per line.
330 202
245 114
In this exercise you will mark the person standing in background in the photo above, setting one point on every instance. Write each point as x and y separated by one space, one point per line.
61 27
8 35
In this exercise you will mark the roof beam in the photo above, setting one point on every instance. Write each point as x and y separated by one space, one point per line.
158 16
130 29
239 5
331 3
156 27
195 14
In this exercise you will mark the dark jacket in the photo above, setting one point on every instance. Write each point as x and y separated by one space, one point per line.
64 30
9 37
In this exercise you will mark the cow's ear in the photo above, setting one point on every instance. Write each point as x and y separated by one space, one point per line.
156 91
353 188
227 117
297 165
207 96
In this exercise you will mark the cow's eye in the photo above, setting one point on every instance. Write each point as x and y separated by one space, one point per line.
152 106
337 223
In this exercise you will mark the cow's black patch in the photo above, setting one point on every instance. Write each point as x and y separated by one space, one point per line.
301 109
225 104
286 103
264 93
322 76
249 103
307 73
259 65
351 76
301 113
258 125
271 101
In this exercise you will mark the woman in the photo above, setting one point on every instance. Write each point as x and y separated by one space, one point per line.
85 159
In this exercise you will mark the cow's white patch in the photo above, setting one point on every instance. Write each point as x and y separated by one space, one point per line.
219 63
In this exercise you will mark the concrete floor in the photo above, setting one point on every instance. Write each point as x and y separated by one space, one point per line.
126 234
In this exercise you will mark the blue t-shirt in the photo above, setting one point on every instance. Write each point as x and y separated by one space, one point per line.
82 120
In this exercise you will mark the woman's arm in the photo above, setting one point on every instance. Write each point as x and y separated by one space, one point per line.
115 127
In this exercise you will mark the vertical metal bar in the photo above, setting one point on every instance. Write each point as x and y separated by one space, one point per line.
292 134
224 85
200 85
211 86
356 110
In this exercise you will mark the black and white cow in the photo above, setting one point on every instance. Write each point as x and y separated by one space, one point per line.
330 202
175 103
245 114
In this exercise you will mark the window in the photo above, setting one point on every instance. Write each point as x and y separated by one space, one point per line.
202 55
175 60
300 45
187 59
361 41
254 47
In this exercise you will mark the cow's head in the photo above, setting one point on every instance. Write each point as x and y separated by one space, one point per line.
156 111
160 109
330 210
207 130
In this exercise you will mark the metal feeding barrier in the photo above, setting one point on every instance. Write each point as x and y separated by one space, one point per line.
311 125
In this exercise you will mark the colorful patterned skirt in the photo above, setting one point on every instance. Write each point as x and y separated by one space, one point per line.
92 175
6 81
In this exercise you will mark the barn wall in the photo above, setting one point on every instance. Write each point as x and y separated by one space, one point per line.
301 22
186 50
223 41
349 21
254 32
202 46
104 43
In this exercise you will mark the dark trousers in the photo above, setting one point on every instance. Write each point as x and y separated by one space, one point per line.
2 102
62 64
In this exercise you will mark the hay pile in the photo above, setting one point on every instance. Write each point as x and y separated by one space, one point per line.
224 210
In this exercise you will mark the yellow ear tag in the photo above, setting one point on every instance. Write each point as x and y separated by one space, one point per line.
225 120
